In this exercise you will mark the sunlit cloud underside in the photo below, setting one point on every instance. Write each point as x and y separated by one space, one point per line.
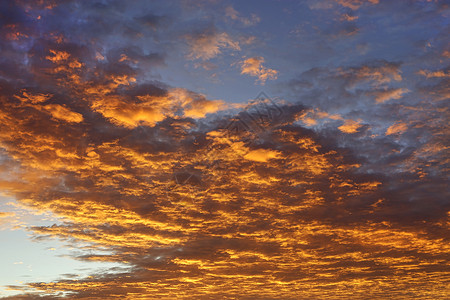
124 122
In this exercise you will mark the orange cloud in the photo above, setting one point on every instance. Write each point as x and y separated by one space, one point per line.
34 99
378 75
60 112
311 117
57 111
349 126
5 219
251 209
348 18
382 96
261 155
58 56
147 110
150 109
397 128
355 4
200 209
433 74
195 105
253 67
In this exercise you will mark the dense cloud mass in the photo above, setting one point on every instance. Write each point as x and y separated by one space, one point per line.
336 190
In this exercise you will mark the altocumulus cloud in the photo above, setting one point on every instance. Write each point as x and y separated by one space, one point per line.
344 194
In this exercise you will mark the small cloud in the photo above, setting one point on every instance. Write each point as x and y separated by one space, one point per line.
348 17
62 113
434 74
247 40
329 4
320 4
312 117
253 67
58 56
57 111
382 96
208 45
6 218
99 56
262 155
195 105
309 121
27 97
378 73
355 4
6 214
397 128
349 126
231 13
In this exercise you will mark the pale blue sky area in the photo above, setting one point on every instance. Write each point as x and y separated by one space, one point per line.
23 260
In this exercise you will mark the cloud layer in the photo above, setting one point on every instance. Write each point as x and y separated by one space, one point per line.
340 191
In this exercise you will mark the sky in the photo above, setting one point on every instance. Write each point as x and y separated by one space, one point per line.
224 149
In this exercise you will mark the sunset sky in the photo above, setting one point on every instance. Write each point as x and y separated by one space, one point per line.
224 149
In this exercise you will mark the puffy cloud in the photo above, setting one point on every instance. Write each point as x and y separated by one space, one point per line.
149 109
349 126
253 67
195 105
146 110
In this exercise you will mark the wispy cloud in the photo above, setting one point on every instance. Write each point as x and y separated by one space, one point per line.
231 13
209 44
